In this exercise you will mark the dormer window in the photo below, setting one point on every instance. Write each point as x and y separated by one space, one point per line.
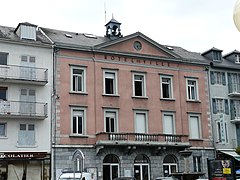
217 56
26 31
237 59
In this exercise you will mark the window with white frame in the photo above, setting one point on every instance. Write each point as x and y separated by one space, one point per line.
197 164
192 89
26 135
141 121
194 126
78 79
222 133
220 105
78 121
168 123
110 120
3 130
110 82
235 109
166 87
139 85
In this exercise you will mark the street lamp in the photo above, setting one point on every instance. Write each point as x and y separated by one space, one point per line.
236 14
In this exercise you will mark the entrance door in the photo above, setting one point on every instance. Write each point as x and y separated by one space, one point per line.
27 101
110 167
141 171
141 167
238 134
169 165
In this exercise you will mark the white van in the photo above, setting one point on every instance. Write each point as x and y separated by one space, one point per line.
75 176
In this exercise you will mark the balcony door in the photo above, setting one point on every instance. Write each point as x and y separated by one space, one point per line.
27 101
140 122
28 70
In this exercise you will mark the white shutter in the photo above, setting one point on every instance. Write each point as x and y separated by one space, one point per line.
140 123
168 124
194 127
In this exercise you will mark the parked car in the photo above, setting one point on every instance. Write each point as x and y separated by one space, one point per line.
125 178
75 176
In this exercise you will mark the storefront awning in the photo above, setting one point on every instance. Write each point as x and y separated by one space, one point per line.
232 153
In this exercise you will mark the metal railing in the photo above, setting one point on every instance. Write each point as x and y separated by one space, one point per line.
23 108
23 73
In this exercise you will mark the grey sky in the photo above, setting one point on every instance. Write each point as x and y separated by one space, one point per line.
196 25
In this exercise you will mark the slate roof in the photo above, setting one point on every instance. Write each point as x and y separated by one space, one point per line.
60 37
8 33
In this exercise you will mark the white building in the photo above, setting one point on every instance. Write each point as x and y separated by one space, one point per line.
25 103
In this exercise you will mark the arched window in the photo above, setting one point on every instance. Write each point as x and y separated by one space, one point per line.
110 167
78 159
141 167
169 165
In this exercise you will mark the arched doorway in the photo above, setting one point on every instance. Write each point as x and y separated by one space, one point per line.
110 167
169 165
141 167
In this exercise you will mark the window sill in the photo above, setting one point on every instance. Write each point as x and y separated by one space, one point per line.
167 99
26 146
3 137
193 101
79 93
78 136
111 95
140 97
195 139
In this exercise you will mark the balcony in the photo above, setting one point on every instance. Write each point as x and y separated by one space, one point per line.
23 74
234 90
22 109
140 139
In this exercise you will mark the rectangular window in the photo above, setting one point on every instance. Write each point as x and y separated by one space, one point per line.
3 58
237 60
26 135
194 126
3 129
235 109
166 87
168 123
217 55
78 121
220 105
3 93
197 163
110 120
217 78
192 89
110 82
139 85
222 132
78 79
141 122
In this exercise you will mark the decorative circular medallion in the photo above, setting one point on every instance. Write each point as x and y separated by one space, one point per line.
137 45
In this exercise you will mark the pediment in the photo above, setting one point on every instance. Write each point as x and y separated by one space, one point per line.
139 44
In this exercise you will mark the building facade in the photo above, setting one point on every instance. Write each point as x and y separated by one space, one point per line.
128 106
25 103
224 83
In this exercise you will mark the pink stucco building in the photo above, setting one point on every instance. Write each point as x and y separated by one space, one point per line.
128 106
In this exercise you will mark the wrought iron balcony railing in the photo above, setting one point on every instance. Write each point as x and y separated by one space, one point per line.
23 109
23 74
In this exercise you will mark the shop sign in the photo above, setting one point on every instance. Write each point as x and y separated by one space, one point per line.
21 155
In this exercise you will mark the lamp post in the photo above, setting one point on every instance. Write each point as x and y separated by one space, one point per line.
236 14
